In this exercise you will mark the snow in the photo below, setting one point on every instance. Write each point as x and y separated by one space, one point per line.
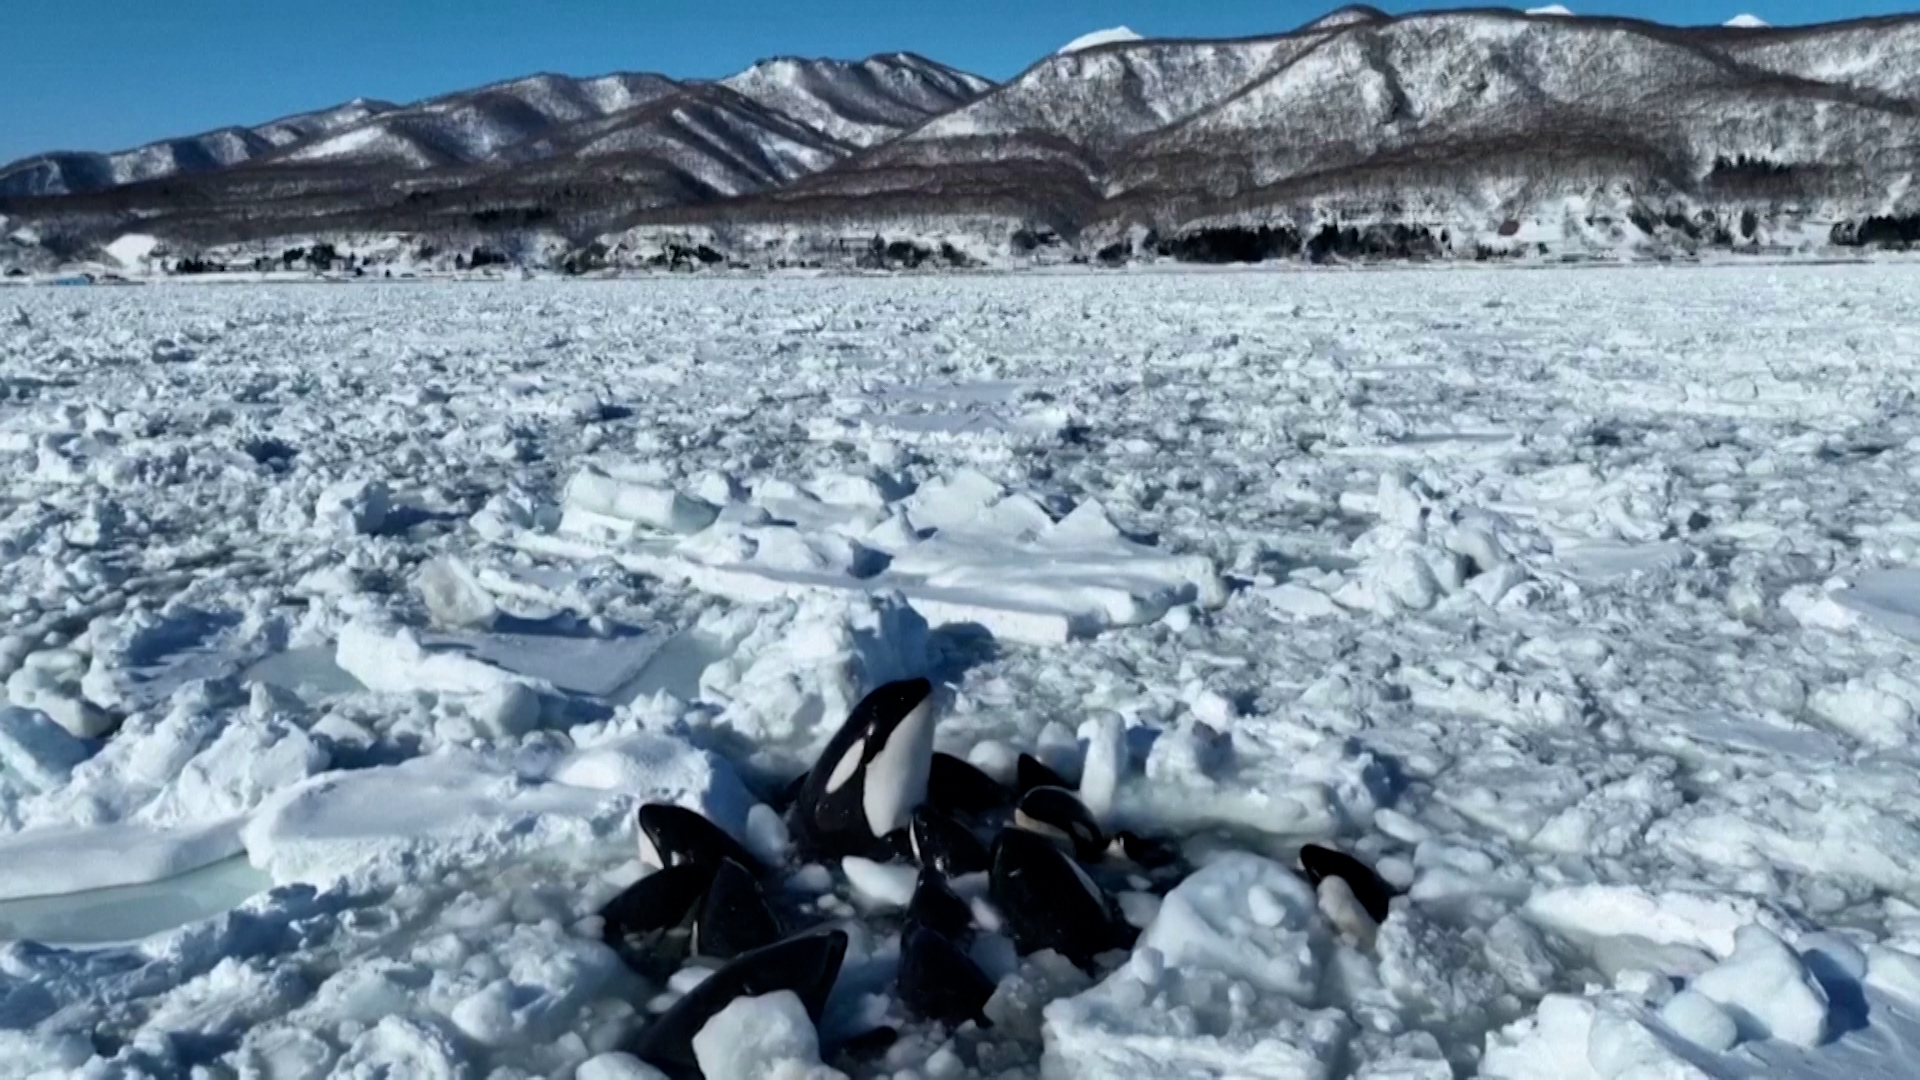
1188 1024
1748 22
1246 917
454 597
56 861
133 250
1890 598
761 1038
1560 10
1479 576
878 884
36 751
1114 36
341 824
1767 991
598 504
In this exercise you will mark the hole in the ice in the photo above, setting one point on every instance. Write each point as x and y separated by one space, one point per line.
308 673
269 451
1140 741
1847 1000
402 520
131 913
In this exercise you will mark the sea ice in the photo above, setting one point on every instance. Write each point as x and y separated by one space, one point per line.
761 1038
344 631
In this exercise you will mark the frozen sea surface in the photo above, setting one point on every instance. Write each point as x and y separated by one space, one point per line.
342 630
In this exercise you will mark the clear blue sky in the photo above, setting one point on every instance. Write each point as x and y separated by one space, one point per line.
107 74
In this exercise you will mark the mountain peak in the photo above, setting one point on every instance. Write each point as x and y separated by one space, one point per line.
1351 15
1114 36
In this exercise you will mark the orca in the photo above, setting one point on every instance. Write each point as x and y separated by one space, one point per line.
943 844
940 982
1374 894
783 797
1048 901
1143 852
674 835
956 787
650 925
872 775
806 965
734 918
868 1043
937 907
1031 772
1056 813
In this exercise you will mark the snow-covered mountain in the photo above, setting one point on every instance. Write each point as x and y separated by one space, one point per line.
1475 123
859 104
1441 133
65 173
852 104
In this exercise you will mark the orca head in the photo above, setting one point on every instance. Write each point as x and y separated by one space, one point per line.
955 786
940 982
649 924
674 836
806 965
1047 900
1030 772
734 918
937 907
1056 813
873 773
1374 894
943 844
1146 853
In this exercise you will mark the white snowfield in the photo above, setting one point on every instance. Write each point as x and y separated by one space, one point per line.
344 628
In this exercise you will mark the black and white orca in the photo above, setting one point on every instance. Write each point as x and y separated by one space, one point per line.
734 918
872 775
1146 853
675 836
940 982
937 907
944 844
1055 812
806 965
1048 902
1030 772
1375 895
650 925
955 786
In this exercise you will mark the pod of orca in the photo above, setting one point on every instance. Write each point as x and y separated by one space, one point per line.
880 792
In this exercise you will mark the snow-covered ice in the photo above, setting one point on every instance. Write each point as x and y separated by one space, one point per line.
344 629
761 1038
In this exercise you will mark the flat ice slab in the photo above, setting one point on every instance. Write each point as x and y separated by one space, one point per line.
131 913
54 861
1890 598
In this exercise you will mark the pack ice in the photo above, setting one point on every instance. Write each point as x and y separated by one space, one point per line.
1451 673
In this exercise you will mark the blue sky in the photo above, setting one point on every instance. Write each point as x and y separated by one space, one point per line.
107 74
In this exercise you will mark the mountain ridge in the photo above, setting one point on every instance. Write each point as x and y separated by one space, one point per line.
1458 133
303 136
